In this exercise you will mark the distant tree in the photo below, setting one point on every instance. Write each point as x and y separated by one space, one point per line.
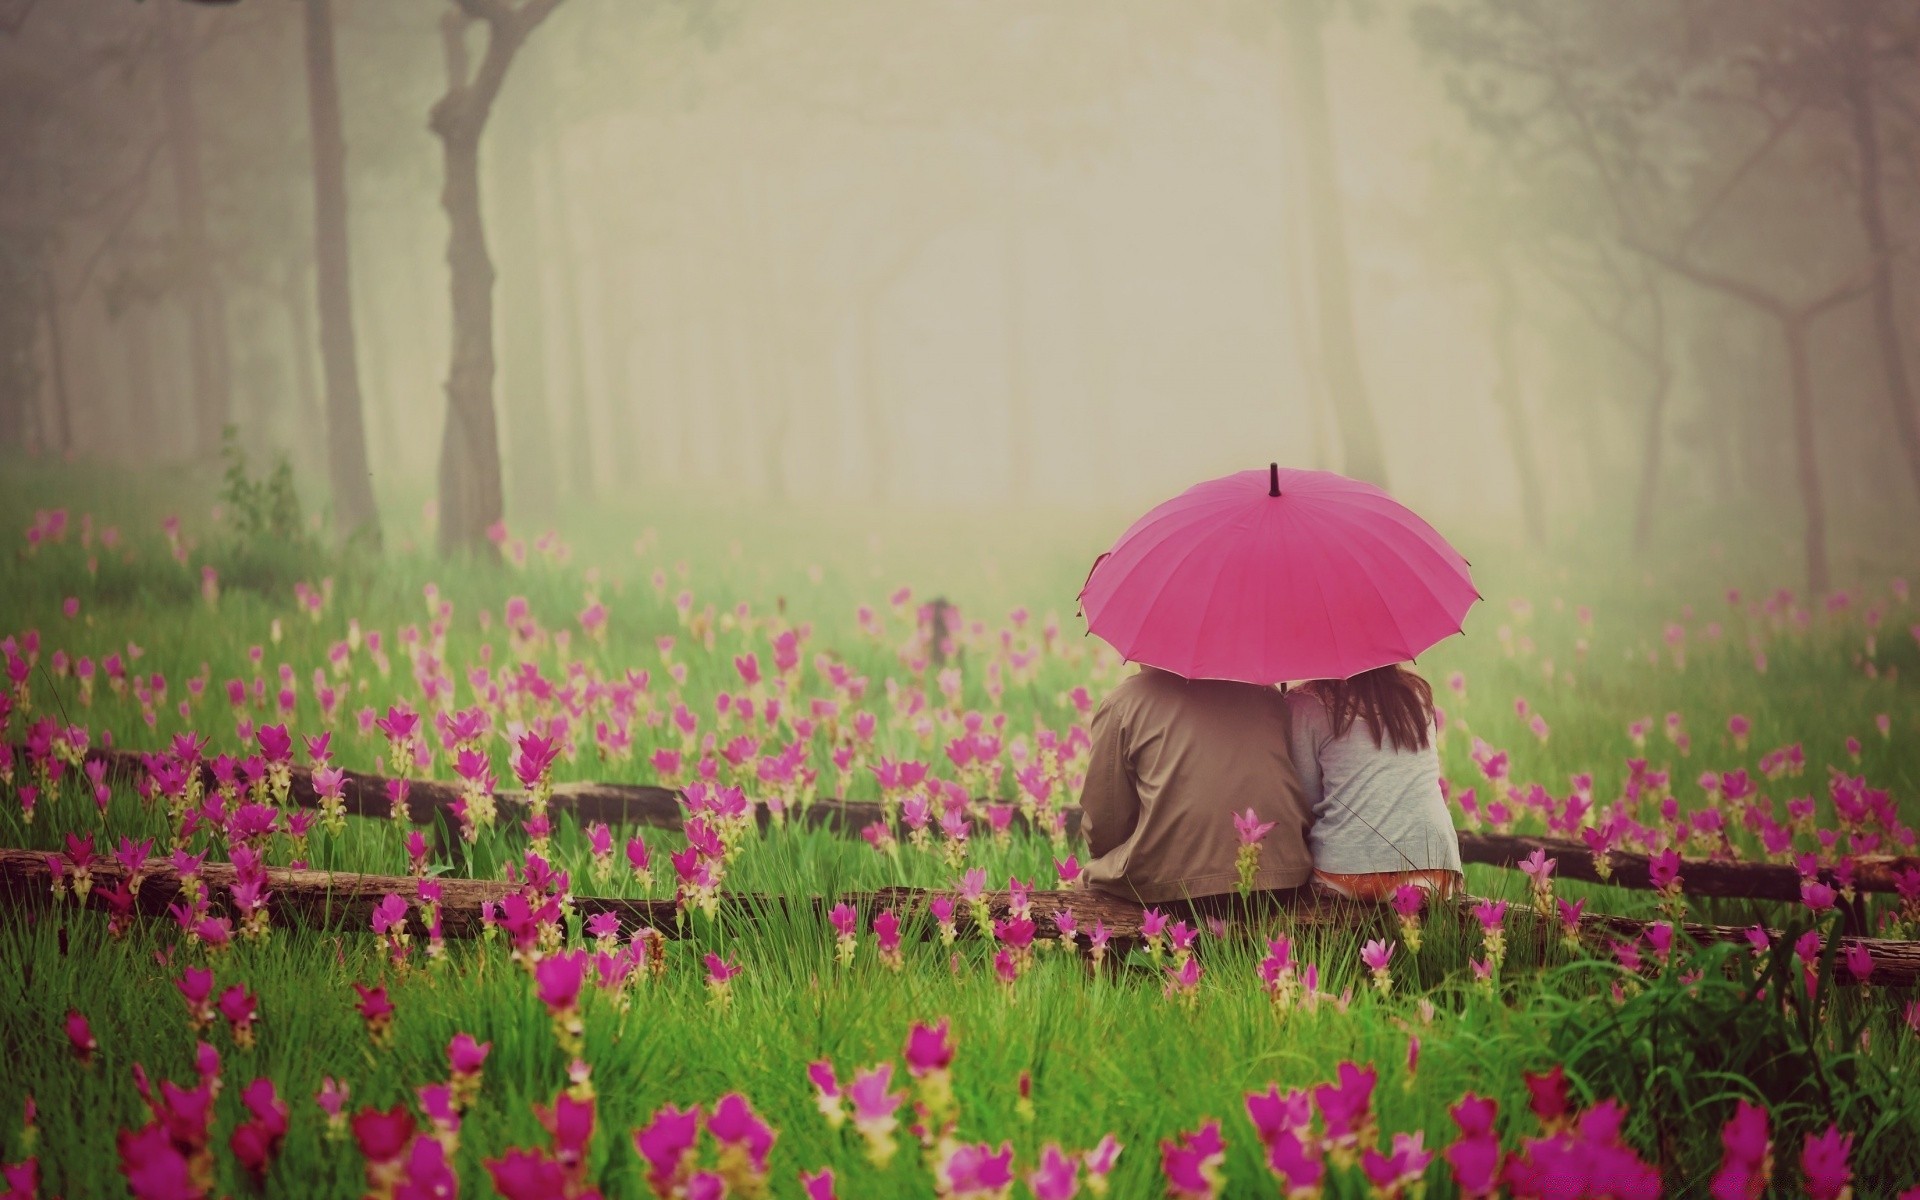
354 510
208 350
1665 127
1339 345
471 500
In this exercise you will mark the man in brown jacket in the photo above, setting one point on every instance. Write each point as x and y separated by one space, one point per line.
1173 760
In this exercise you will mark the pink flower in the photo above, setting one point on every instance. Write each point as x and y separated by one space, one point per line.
1100 1160
465 1056
1664 870
1823 1163
1057 1175
1408 899
818 1185
1250 829
869 1094
1273 1114
929 1048
535 758
1547 1094
80 1037
1345 1105
1817 896
1475 1158
559 978
741 1132
1859 960
977 1172
666 1142
846 920
1490 913
1376 954
1191 1162
383 1137
1747 1147
1392 1173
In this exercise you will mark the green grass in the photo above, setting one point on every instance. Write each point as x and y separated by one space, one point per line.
1107 1051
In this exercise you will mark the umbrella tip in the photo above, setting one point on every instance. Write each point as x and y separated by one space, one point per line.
1273 479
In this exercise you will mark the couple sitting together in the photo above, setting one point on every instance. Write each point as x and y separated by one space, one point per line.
1345 770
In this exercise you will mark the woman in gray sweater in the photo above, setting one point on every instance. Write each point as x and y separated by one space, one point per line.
1364 751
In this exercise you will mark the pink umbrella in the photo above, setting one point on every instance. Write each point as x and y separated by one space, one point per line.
1266 576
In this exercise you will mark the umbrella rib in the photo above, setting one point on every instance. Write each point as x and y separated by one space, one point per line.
1427 584
1344 547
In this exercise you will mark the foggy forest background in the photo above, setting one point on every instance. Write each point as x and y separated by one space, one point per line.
1538 263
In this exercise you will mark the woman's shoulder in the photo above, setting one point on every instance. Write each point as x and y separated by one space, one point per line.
1306 706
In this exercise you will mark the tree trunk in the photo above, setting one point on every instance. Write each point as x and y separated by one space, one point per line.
1793 328
60 432
1513 406
206 307
296 302
136 340
349 476
1859 91
1346 382
1652 447
523 368
470 494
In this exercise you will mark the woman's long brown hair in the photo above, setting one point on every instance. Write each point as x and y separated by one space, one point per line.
1395 703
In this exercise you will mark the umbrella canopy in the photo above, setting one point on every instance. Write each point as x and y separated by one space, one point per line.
1275 575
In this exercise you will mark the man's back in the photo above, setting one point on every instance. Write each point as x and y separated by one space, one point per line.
1173 760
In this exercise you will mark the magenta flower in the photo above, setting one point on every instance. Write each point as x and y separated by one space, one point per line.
1100 1160
1376 954
1191 1163
1859 960
558 979
1296 1163
1744 1165
80 1037
1664 870
929 1048
978 1172
383 1137
1408 899
535 759
1016 933
1817 896
1345 1105
1824 1166
827 1094
526 1175
846 920
465 1056
1475 1157
1391 1174
818 1185
745 1139
1273 1114
874 1106
1057 1177
1250 829
667 1143
886 932
1547 1094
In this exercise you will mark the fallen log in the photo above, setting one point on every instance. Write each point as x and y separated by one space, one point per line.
429 801
324 900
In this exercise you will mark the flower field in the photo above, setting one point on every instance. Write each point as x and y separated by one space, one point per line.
316 905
